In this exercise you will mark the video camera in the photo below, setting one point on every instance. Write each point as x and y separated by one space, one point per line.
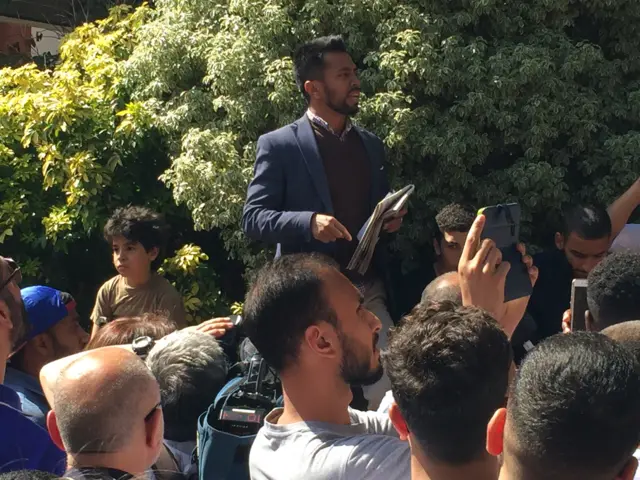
251 392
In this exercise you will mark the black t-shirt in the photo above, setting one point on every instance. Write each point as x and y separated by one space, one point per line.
551 297
97 473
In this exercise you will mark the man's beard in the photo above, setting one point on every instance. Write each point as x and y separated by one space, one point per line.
340 107
356 370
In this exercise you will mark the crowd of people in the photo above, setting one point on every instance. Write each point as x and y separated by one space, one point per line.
446 381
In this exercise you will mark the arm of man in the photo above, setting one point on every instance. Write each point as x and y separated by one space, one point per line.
623 207
263 218
377 457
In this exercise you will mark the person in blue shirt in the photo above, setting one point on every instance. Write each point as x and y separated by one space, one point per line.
55 333
23 444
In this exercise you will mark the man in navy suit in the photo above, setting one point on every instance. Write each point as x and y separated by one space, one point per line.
317 181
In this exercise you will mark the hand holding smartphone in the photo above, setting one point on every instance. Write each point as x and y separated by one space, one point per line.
502 225
578 304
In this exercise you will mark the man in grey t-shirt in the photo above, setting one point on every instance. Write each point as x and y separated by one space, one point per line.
309 323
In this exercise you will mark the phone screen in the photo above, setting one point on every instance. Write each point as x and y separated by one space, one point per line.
578 304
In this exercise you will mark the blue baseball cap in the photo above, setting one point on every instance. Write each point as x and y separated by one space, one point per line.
45 307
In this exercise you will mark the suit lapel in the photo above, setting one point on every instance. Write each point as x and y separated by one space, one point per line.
309 148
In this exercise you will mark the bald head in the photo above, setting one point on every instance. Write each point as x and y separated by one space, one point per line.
100 398
445 288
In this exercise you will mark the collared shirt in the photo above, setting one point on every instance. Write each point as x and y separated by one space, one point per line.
323 123
97 473
23 444
34 403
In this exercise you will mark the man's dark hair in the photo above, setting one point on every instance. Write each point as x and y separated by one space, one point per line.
287 296
573 411
445 288
591 222
613 291
449 371
455 217
28 475
309 59
138 224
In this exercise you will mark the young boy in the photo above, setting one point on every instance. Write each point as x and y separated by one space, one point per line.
136 235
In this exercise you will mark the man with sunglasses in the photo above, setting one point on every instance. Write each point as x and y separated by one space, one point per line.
105 412
23 444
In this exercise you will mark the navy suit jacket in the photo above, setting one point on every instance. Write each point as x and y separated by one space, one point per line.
290 185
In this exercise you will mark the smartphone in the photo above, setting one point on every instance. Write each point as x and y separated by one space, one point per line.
578 304
503 227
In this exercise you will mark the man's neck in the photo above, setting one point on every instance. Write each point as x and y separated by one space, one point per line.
4 357
486 468
323 400
116 461
336 120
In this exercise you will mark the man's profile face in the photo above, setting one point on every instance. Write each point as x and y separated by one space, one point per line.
10 294
450 247
68 336
583 255
358 330
340 84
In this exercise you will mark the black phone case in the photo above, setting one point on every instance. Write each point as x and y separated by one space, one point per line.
503 227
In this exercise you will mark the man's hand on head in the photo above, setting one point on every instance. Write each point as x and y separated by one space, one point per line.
482 271
215 327
327 229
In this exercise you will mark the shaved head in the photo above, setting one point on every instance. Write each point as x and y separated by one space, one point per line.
445 288
627 333
101 398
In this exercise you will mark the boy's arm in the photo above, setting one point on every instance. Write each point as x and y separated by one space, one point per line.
102 308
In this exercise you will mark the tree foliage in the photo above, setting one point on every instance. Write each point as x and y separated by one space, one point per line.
481 101
72 149
477 100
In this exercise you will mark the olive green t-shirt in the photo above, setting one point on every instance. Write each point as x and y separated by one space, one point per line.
116 299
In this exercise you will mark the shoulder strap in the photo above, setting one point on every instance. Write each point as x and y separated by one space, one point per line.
166 467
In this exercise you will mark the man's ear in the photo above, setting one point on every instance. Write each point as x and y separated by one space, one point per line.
43 344
398 421
436 246
322 339
559 240
629 470
588 321
311 89
54 432
495 432
5 316
155 429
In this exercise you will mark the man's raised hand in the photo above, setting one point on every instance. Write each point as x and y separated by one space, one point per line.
482 271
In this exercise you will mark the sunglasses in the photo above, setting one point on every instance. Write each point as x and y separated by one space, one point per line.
15 274
153 410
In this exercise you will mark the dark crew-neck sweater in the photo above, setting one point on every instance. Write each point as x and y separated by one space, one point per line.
348 172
